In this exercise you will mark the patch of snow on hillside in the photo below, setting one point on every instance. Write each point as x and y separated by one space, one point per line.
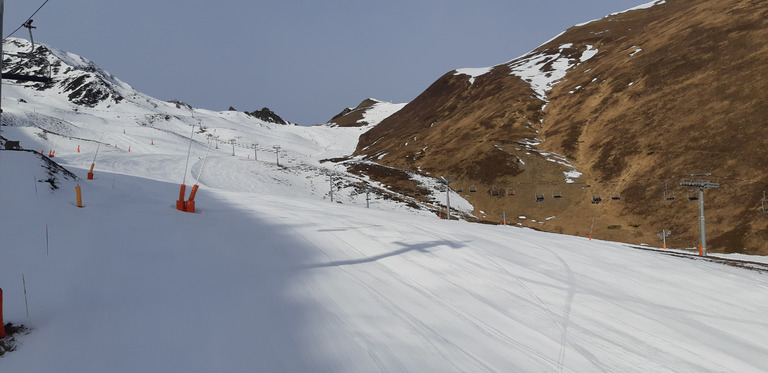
570 175
544 70
589 53
380 111
473 72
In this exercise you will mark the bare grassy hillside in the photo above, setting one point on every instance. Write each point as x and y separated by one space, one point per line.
677 89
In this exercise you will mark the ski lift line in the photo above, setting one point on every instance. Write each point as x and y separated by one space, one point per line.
25 22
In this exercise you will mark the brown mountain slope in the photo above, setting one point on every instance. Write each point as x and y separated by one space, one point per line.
676 89
353 117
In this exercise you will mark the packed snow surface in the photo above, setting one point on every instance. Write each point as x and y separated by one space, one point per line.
270 275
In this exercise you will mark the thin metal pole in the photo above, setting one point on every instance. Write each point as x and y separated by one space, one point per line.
702 224
2 11
277 154
448 199
189 151
330 181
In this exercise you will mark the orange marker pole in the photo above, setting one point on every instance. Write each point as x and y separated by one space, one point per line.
2 325
90 172
701 250
78 148
79 194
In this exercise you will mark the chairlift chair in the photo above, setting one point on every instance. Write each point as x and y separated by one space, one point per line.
557 194
472 189
539 197
510 191
693 195
459 189
494 192
596 198
669 195
615 195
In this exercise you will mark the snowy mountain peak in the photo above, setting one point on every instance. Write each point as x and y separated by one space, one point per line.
83 82
369 113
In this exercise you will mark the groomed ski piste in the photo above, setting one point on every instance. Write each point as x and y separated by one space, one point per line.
269 275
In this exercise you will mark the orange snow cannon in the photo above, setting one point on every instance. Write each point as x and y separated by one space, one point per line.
190 204
180 203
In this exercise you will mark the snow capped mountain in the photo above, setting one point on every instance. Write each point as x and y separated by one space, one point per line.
368 114
85 108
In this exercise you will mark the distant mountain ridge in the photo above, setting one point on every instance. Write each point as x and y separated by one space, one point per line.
620 110
82 81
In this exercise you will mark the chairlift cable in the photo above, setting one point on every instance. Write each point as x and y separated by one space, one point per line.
25 22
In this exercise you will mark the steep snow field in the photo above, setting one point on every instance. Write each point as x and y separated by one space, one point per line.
269 275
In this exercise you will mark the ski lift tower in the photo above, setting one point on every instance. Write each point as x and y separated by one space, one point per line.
11 76
447 196
702 226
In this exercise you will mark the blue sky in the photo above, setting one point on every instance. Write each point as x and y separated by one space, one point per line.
306 60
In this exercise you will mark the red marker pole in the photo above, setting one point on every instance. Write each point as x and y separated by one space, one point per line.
2 325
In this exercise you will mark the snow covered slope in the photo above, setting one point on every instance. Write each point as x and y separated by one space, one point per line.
269 275
86 109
